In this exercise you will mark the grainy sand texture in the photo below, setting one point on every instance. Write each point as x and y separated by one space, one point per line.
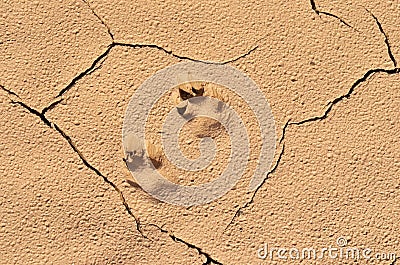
328 69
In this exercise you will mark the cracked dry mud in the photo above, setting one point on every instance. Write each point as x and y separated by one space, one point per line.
328 70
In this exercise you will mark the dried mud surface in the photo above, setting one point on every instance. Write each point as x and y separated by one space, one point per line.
68 70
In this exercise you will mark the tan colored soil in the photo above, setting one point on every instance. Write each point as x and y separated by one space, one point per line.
66 195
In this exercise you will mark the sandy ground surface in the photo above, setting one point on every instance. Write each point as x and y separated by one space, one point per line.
69 68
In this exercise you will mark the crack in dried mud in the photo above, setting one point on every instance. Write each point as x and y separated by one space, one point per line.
109 182
102 57
319 12
138 45
209 259
54 126
389 49
32 111
331 104
51 106
150 46
364 78
85 72
247 204
94 66
100 19
8 91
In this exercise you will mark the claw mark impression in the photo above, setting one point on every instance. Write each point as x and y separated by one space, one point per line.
208 114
